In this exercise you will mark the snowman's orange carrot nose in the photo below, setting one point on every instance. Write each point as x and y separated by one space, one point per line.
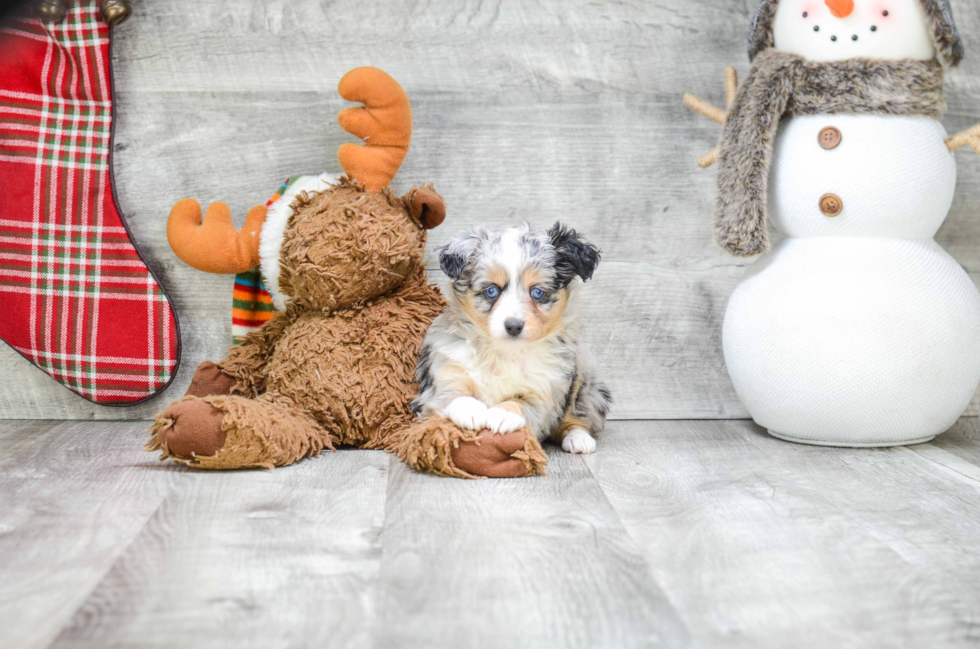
841 8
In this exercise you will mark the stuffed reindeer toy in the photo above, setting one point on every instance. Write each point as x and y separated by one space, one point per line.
343 259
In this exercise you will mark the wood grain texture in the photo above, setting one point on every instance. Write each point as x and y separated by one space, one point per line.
73 496
248 559
523 110
541 562
675 534
758 542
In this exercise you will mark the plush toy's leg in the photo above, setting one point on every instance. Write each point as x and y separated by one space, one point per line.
210 381
232 432
439 446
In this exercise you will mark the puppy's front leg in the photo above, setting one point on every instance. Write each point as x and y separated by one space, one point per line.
468 413
506 417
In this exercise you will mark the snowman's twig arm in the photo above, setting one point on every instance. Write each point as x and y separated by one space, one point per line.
970 138
731 85
709 158
699 105
714 113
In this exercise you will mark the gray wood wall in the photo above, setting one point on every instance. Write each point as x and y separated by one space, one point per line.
537 110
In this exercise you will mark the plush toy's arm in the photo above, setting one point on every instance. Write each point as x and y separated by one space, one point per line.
248 360
970 138
714 113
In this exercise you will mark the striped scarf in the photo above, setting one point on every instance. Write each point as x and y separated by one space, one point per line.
252 306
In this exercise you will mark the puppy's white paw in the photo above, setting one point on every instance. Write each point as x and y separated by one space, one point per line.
578 440
503 421
468 413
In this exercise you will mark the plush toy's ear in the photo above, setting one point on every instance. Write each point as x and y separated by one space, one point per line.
576 256
426 206
455 255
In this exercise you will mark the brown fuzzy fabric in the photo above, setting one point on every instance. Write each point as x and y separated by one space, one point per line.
786 84
437 445
354 369
343 246
945 35
339 365
259 433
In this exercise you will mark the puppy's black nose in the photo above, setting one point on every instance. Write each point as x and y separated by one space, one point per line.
514 327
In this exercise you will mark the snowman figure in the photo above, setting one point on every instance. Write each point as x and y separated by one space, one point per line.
857 328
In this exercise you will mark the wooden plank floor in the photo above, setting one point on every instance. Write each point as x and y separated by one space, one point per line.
676 534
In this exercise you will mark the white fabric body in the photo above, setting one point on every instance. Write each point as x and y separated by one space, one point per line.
902 34
276 220
857 329
854 341
894 175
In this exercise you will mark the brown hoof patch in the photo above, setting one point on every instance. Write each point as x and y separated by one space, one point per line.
196 429
491 456
210 381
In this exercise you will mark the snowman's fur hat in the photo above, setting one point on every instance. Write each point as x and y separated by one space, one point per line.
947 39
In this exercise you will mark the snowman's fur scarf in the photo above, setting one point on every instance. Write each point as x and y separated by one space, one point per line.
787 84
942 26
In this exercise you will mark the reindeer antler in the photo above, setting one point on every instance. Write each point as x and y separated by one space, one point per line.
714 113
214 245
384 122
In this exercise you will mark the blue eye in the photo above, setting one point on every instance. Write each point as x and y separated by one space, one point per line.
492 293
537 293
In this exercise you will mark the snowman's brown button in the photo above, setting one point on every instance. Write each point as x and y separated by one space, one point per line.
829 138
831 205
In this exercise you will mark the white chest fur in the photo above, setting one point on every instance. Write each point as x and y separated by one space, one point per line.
498 372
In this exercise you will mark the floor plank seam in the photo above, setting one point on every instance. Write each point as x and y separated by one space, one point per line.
973 480
69 621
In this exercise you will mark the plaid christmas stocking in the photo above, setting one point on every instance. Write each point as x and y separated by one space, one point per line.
76 298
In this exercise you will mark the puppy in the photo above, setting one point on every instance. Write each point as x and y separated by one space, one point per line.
506 352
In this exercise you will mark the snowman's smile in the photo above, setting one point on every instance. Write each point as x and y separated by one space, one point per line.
835 30
833 38
841 14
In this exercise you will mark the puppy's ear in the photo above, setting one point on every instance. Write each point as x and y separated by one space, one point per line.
455 255
576 256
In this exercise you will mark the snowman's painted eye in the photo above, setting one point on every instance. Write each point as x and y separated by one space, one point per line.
805 14
833 38
854 38
873 28
884 13
816 28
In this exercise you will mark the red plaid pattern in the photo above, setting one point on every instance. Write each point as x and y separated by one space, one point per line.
76 298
